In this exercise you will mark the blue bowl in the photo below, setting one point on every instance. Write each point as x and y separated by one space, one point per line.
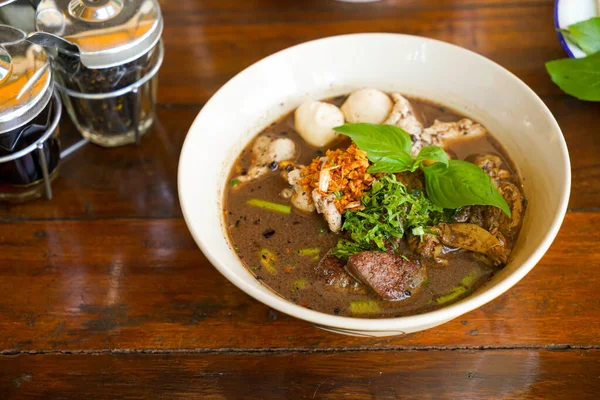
568 12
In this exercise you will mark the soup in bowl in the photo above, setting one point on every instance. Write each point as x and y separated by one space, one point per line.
374 195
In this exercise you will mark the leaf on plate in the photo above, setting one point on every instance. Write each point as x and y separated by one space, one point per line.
586 35
579 77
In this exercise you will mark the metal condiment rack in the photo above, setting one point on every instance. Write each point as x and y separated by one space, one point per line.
39 146
133 88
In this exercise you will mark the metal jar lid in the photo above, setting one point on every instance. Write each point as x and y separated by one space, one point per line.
25 80
107 32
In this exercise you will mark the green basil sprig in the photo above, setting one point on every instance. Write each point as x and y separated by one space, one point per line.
449 183
461 183
580 77
585 34
430 153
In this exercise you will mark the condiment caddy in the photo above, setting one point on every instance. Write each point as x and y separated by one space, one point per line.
102 57
29 115
107 77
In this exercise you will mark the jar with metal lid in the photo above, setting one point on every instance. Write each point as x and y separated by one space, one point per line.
106 57
29 116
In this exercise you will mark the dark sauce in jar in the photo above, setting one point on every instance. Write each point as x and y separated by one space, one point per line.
112 116
21 179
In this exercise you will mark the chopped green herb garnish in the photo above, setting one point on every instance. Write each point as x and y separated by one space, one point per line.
338 195
389 212
255 267
234 182
404 257
418 231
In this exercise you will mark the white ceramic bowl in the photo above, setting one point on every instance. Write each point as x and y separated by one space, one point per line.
416 66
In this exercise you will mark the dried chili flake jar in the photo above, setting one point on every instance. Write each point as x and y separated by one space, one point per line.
108 78
29 116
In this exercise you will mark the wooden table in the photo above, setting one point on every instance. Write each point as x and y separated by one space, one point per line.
103 292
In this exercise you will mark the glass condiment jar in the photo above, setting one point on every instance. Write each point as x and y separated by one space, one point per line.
29 116
109 81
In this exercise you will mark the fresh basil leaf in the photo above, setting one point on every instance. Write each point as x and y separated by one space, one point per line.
461 184
586 35
579 77
377 140
430 153
391 162
566 34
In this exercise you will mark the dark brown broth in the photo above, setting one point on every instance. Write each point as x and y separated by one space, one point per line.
251 229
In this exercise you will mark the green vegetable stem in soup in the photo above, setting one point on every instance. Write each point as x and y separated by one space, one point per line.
373 205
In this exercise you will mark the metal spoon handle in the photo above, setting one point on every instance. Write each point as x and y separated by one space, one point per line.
6 2
49 40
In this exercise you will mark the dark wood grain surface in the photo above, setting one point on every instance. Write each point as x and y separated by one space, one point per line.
492 374
104 294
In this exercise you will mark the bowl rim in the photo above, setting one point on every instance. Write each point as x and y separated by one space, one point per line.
561 38
570 48
431 318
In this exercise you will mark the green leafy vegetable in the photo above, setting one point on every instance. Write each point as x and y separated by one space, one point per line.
585 34
397 162
347 248
430 153
389 211
461 184
267 205
234 182
450 183
377 140
579 77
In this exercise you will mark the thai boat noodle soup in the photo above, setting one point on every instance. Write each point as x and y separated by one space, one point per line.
371 205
